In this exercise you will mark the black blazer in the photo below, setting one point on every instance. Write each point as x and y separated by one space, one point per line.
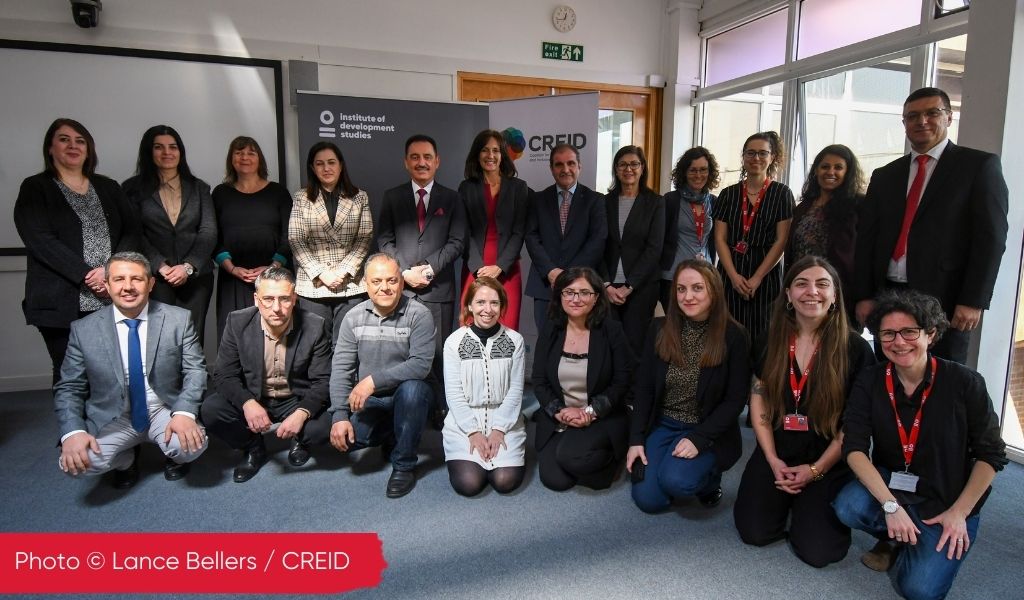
673 202
841 225
52 234
510 216
722 392
191 240
609 374
239 373
958 235
582 246
440 243
641 241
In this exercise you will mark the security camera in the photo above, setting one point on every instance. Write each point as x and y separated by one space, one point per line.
86 13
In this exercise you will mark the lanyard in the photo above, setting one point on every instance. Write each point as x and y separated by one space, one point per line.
909 442
748 219
698 222
797 387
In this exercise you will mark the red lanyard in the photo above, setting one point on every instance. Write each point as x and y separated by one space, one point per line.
748 219
909 442
797 387
698 221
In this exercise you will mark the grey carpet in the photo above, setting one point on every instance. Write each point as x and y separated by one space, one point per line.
534 543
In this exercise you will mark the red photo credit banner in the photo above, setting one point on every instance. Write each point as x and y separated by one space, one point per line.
243 563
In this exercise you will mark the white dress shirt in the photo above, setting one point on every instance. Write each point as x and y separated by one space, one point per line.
898 268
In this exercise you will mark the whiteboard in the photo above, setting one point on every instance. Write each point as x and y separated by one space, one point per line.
118 94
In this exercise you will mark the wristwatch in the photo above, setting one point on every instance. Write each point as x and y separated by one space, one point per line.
890 507
589 410
189 269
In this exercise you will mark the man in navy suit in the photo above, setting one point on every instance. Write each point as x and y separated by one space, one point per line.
423 225
934 221
566 227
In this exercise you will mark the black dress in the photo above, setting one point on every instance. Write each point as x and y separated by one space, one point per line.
252 232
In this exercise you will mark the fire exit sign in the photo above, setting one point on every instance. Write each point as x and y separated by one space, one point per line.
556 51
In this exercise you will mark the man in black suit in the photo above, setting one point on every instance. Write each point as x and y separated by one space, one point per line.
273 366
566 227
423 225
934 221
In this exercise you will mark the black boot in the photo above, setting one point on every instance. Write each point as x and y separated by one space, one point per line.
255 458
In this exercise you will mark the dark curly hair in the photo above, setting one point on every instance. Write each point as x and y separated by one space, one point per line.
556 314
843 201
683 164
924 309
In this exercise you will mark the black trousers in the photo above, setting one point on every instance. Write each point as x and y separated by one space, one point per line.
227 421
333 310
636 314
194 296
56 340
815 533
444 321
583 456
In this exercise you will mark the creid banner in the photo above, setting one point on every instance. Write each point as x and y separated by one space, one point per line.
243 563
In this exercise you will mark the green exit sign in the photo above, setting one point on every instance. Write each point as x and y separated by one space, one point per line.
556 51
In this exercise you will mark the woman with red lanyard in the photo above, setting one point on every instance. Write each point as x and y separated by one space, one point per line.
496 203
752 221
802 378
934 446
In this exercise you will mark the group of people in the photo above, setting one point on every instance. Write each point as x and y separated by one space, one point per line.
338 325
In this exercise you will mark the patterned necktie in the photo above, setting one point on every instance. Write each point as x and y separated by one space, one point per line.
563 209
913 199
421 209
136 381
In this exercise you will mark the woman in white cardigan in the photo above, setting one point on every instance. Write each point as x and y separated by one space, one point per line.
484 433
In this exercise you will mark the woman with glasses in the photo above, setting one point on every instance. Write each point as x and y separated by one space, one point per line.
636 220
925 444
179 227
802 377
330 231
691 386
752 221
688 216
581 375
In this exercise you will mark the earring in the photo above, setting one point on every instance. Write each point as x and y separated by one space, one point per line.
789 306
832 307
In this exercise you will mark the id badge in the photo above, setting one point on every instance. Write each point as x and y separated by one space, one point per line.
903 481
740 247
794 423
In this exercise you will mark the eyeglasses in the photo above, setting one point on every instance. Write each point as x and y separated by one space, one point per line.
629 165
700 171
757 153
932 114
907 333
581 294
284 301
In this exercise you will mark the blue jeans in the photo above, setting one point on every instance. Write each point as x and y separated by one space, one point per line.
403 414
920 571
667 477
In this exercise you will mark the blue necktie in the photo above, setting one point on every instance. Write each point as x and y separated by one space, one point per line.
136 382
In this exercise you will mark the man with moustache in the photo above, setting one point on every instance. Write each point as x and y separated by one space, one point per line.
273 366
566 227
133 372
384 352
934 221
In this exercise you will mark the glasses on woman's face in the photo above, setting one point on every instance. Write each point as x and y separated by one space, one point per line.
756 153
629 165
583 295
907 333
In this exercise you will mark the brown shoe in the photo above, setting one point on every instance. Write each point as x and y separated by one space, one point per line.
881 557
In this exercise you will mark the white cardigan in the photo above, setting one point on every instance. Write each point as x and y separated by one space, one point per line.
490 375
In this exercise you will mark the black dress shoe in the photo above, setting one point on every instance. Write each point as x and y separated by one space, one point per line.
174 471
126 478
711 498
255 458
299 454
400 483
437 418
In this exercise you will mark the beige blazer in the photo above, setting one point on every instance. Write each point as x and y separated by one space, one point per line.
319 246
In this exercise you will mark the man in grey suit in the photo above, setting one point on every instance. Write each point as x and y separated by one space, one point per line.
133 372
273 366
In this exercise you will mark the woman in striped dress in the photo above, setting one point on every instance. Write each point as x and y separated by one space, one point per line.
752 220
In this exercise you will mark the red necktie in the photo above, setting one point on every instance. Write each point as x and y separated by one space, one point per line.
421 209
563 210
913 199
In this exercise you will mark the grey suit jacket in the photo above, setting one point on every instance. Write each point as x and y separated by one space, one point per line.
93 389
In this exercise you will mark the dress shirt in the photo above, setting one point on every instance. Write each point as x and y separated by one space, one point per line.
275 352
898 268
426 199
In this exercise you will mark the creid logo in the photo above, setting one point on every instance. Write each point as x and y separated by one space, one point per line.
516 142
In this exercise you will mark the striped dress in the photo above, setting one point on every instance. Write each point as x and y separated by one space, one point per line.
777 205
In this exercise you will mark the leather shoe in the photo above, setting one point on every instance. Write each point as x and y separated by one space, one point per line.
255 458
299 453
174 471
126 478
400 483
437 418
711 498
881 557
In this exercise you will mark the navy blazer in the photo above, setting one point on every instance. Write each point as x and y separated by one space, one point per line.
582 245
957 237
510 216
52 233
722 392
191 240
639 246
438 245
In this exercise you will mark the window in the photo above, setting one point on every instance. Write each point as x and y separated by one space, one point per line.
829 24
749 48
730 121
614 130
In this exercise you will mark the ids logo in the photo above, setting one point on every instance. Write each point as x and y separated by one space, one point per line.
515 141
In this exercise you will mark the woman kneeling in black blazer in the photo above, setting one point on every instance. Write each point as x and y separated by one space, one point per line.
690 389
581 374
